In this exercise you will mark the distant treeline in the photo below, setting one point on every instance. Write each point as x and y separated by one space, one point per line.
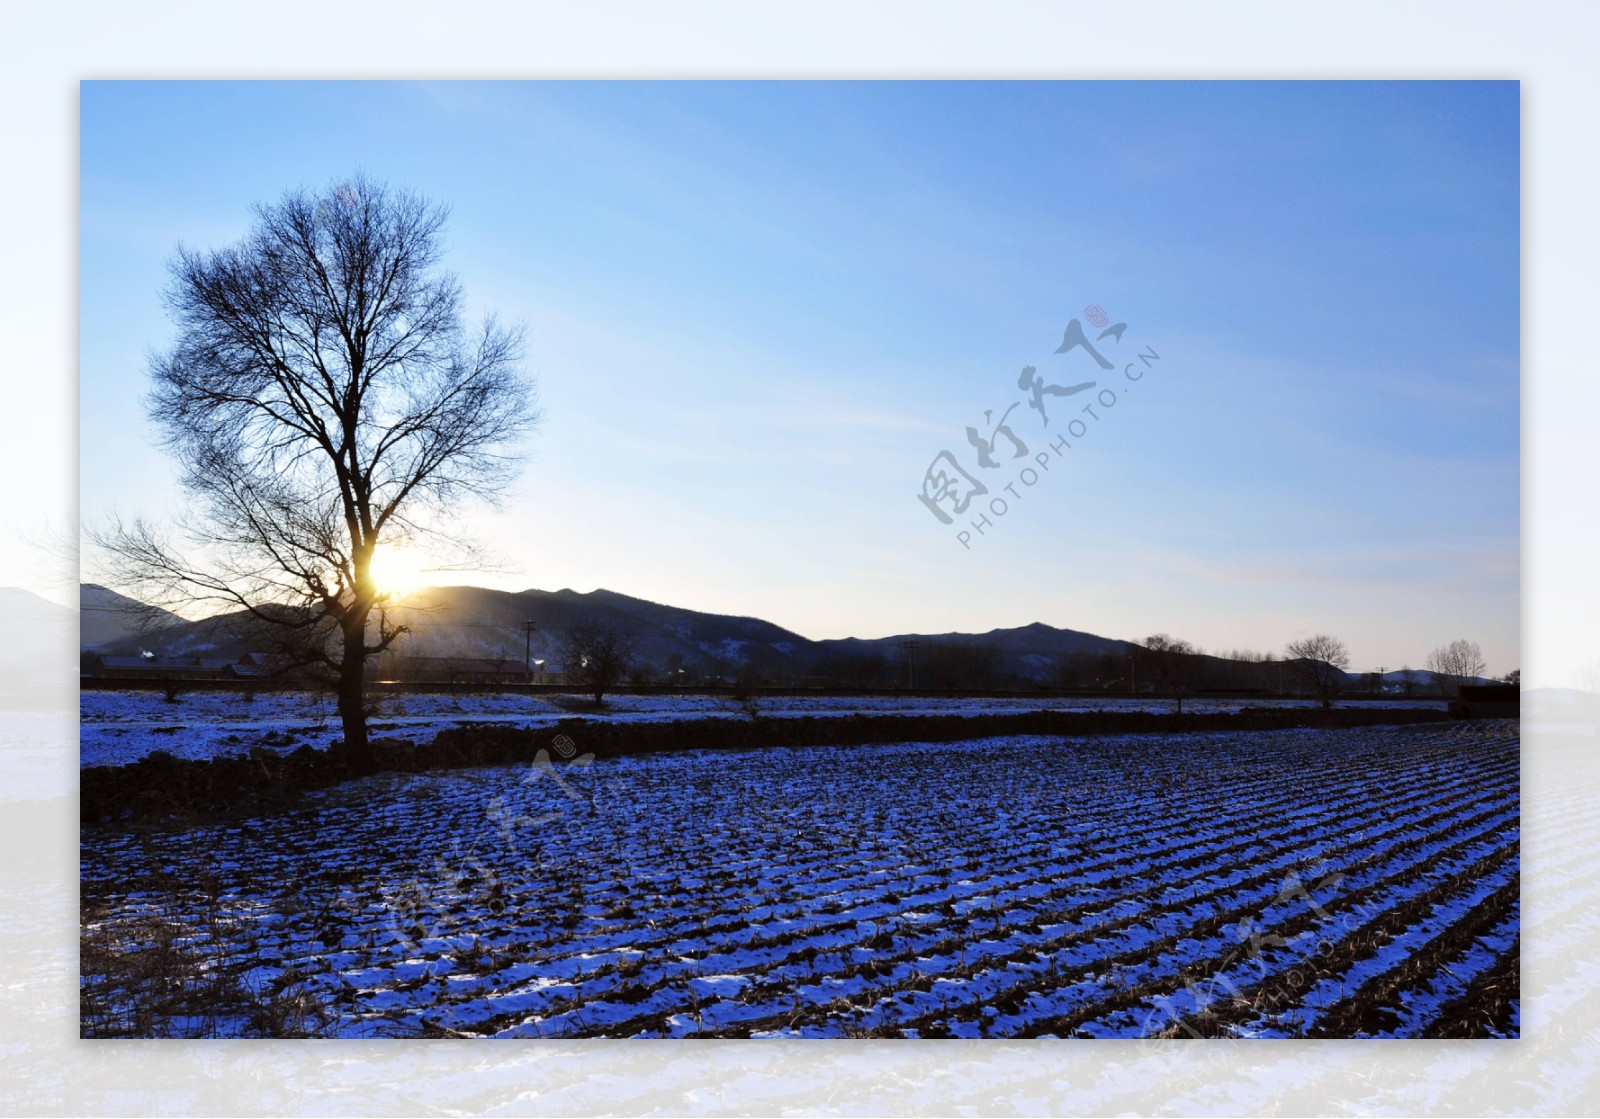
976 665
932 666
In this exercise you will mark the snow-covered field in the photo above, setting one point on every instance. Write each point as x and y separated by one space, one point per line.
1284 883
121 727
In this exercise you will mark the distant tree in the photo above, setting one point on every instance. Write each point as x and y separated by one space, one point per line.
746 691
1232 669
1171 664
598 656
1320 660
1514 677
1407 683
323 400
1456 663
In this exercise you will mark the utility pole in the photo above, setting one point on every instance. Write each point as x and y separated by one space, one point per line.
527 649
910 648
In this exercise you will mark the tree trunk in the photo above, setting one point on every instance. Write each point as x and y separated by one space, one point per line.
353 704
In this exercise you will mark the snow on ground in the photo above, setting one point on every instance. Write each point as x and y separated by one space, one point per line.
36 756
118 727
1221 883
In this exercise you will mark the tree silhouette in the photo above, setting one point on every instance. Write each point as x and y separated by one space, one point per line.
323 400
1457 662
598 656
1321 661
1171 664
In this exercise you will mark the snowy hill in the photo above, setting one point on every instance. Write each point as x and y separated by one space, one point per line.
104 617
479 622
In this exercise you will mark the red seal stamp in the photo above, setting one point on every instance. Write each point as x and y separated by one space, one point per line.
1095 314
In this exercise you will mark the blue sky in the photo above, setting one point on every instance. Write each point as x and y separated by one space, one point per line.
757 311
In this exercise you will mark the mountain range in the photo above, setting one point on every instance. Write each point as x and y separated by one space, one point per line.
106 617
479 622
673 643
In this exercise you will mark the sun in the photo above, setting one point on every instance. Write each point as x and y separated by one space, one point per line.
397 570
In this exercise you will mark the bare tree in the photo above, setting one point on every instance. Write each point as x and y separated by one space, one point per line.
1457 663
1587 677
1321 661
598 656
1171 664
323 400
